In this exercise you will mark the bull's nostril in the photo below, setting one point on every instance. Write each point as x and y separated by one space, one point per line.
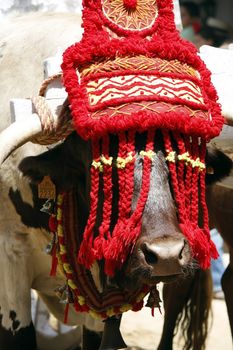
150 257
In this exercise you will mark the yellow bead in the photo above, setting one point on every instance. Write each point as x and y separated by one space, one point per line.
67 268
95 315
81 300
125 307
110 312
71 284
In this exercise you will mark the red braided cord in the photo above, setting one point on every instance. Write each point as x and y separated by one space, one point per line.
181 167
147 162
203 188
104 234
126 232
195 185
213 251
122 153
188 179
86 254
126 186
179 197
129 176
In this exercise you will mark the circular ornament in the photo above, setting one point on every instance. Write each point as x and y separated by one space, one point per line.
134 15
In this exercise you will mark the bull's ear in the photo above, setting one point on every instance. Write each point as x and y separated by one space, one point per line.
36 167
218 165
66 164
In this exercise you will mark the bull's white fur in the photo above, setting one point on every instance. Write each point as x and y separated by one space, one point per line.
22 249
15 249
25 42
24 263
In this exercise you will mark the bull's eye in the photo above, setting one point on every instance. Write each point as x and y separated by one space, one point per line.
210 170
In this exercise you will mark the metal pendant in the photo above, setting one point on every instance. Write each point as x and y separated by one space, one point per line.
46 189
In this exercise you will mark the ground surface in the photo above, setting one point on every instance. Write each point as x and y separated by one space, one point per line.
142 332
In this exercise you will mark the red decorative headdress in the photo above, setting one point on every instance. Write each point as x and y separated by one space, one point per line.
131 72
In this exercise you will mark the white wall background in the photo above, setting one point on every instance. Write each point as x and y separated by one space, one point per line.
14 7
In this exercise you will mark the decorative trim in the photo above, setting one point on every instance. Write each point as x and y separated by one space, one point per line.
80 301
139 63
195 163
152 61
142 17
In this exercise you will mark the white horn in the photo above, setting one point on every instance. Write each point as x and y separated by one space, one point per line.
228 114
18 134
219 61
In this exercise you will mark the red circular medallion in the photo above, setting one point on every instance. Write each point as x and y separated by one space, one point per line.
134 15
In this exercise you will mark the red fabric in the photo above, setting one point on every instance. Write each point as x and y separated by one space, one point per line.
160 40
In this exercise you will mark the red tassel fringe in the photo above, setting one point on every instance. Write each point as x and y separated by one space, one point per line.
66 312
53 270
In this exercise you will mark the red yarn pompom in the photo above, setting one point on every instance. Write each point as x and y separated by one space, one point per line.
130 4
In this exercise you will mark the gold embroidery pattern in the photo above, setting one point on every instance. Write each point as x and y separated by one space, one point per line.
141 63
142 17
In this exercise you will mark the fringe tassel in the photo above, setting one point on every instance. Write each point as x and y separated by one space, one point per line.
127 231
104 231
66 314
188 182
86 255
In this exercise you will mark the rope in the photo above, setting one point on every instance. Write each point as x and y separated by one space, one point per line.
47 82
54 128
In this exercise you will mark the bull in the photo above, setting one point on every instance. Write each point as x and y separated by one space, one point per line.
160 254
166 256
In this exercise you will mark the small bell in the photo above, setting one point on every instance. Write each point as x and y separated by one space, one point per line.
60 291
65 294
48 207
154 299
50 246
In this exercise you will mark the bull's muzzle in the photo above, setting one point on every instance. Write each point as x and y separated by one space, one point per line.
165 257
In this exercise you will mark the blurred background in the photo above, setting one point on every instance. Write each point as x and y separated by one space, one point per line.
13 7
